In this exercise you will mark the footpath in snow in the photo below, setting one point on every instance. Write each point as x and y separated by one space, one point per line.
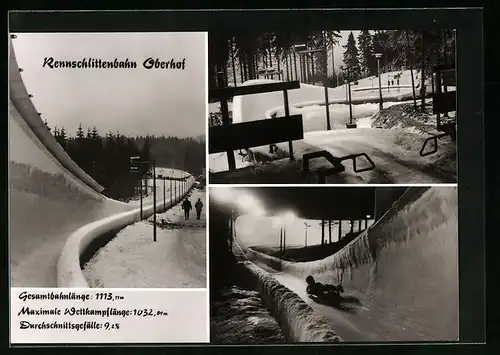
176 260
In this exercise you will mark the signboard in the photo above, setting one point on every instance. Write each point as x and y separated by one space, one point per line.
444 102
254 134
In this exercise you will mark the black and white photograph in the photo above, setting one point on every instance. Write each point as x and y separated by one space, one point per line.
332 107
107 160
333 264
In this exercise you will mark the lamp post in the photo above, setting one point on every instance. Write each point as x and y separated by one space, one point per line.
135 162
378 56
306 226
348 72
287 217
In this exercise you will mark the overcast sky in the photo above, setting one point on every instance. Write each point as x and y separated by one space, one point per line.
136 101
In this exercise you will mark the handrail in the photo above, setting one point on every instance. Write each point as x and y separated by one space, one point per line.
69 272
335 161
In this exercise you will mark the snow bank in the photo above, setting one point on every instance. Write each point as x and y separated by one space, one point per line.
47 201
295 317
21 107
69 272
260 106
406 263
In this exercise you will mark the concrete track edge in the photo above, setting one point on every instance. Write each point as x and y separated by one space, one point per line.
295 317
69 272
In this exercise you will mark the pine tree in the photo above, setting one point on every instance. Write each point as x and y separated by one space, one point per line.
94 133
379 43
351 60
62 134
61 137
79 132
367 59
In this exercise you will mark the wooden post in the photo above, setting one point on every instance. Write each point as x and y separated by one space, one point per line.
359 225
287 113
340 229
225 121
140 183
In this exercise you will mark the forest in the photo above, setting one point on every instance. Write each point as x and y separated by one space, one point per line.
107 158
237 57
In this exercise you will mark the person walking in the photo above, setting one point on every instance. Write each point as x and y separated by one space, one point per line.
186 206
199 206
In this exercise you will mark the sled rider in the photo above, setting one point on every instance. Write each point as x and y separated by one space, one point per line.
319 289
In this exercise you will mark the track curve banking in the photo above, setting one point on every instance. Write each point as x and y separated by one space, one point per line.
400 276
50 197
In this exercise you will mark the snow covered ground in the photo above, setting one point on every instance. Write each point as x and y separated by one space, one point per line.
314 120
176 260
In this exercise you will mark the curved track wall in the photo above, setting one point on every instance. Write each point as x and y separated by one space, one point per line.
405 264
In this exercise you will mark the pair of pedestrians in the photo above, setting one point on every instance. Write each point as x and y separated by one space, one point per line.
187 207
